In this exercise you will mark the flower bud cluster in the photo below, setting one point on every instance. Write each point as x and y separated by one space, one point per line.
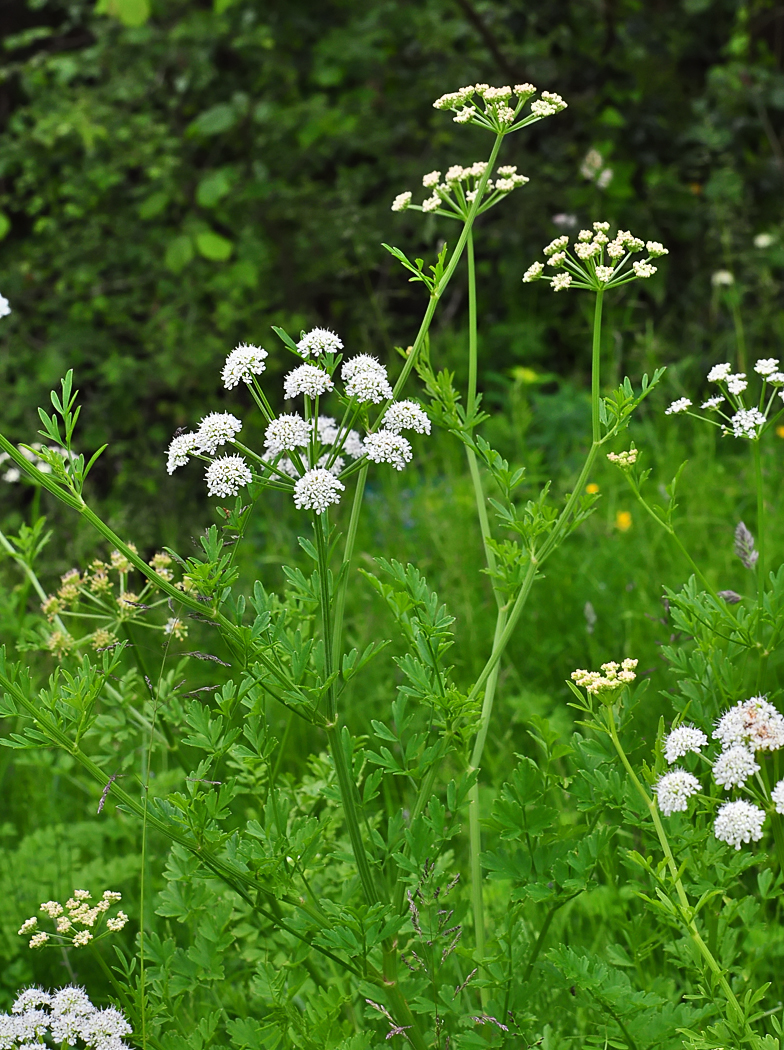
625 460
75 921
455 194
497 108
596 261
612 676
741 419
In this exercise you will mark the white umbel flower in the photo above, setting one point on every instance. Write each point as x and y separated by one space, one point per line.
402 201
180 450
360 363
678 406
287 432
739 822
307 380
719 373
560 282
643 269
104 1026
736 384
385 446
746 423
777 797
754 724
242 364
674 790
712 402
225 476
216 429
327 430
734 767
336 468
406 415
30 999
370 384
353 446
766 366
317 490
71 1000
681 740
5 306
319 341
533 273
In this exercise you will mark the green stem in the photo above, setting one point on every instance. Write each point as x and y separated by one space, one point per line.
760 529
685 906
596 364
348 553
8 546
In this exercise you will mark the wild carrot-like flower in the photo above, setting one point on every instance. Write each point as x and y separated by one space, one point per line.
454 196
754 724
65 1017
319 341
615 675
316 490
242 364
739 822
498 108
741 419
682 740
734 766
286 433
673 791
227 475
307 380
216 429
387 447
596 261
406 415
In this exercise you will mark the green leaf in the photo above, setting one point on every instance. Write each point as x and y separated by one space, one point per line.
153 205
213 246
129 12
179 253
215 120
213 188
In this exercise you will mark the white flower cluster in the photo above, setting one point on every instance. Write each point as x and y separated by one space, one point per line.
60 1018
497 108
596 261
306 454
740 420
593 169
5 306
625 460
242 365
75 920
750 726
615 675
454 195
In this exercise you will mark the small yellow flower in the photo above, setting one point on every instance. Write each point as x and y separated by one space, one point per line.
623 520
592 488
780 431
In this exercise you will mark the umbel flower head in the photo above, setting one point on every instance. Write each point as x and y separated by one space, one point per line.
44 1019
754 724
243 364
612 676
739 822
454 195
499 108
673 791
77 922
682 740
740 418
595 261
304 454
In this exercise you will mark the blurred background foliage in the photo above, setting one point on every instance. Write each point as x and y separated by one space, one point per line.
177 179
